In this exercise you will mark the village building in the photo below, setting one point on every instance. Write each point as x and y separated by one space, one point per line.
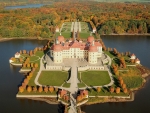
17 55
137 61
133 56
90 50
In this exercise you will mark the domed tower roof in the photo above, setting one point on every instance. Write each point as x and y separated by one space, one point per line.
92 48
61 38
57 48
90 39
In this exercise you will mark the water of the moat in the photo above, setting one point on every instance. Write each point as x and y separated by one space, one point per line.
10 78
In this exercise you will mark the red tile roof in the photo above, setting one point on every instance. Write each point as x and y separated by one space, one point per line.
75 44
84 92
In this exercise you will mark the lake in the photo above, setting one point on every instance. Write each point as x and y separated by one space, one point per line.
10 78
24 6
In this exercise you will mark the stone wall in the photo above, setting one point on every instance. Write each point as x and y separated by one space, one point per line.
48 67
83 68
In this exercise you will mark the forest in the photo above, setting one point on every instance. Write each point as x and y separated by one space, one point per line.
108 18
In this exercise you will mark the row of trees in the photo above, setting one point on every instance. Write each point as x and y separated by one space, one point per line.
35 89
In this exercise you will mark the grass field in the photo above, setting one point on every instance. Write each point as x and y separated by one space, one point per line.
84 35
31 81
33 58
95 78
53 78
67 85
133 81
66 34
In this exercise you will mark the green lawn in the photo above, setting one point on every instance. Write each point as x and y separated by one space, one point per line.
95 78
133 81
34 58
80 85
39 53
66 34
84 34
67 85
53 78
31 81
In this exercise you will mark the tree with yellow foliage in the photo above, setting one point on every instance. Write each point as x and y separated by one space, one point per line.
21 89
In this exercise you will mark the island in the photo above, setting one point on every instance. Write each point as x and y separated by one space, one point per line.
77 68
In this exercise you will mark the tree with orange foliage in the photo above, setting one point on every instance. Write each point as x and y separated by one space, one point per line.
45 89
31 53
34 88
79 98
24 65
29 89
26 81
24 85
119 78
21 89
28 77
98 89
51 89
28 65
20 59
123 86
36 65
115 51
121 82
40 89
118 90
125 90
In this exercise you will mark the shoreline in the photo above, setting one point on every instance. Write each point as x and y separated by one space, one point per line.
33 38
126 34
23 38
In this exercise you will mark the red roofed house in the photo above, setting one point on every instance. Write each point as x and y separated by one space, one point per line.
90 50
133 56
17 55
137 61
62 93
84 93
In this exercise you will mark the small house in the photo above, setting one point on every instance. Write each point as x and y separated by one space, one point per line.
133 56
137 61
17 55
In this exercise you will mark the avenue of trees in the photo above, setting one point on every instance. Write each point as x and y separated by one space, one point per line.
106 17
